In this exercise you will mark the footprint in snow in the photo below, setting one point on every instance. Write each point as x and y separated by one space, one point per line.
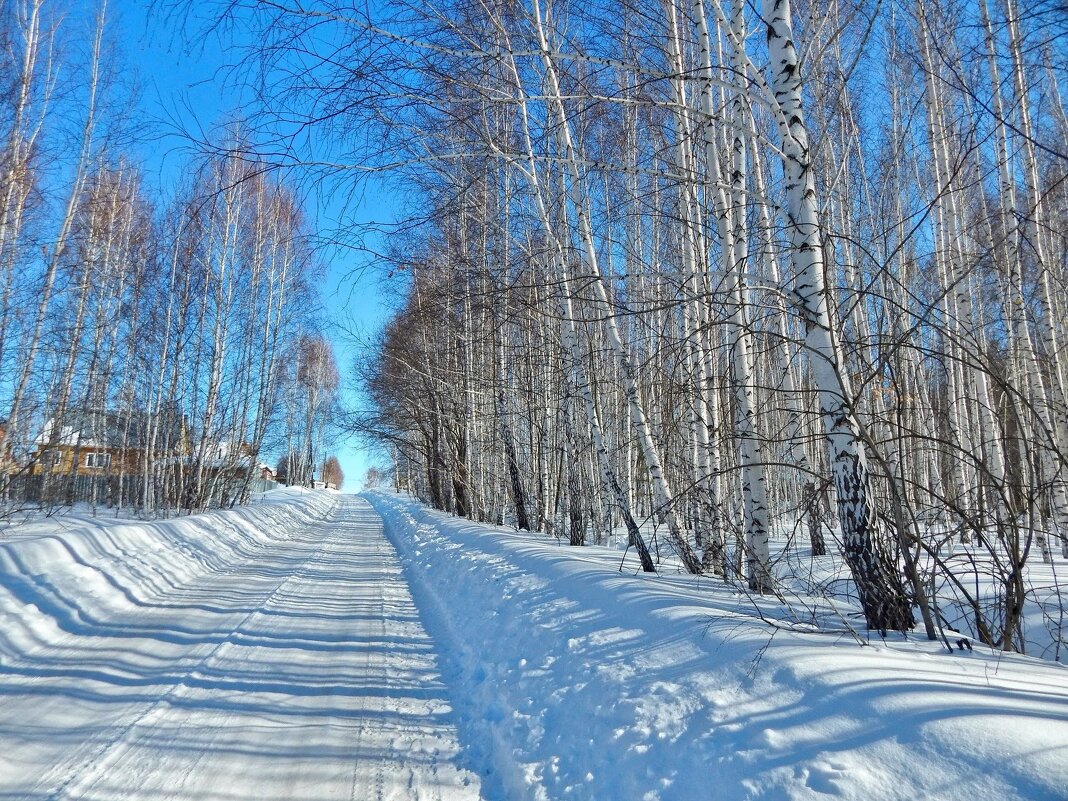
824 777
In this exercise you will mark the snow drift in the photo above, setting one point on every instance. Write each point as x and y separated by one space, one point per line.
575 679
568 677
69 575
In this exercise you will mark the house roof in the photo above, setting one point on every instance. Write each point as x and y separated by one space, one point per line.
112 429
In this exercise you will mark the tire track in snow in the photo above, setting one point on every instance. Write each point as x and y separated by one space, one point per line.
359 789
91 764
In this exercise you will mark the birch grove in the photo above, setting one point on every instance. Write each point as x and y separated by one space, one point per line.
745 283
145 335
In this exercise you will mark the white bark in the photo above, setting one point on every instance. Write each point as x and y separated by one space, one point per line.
878 584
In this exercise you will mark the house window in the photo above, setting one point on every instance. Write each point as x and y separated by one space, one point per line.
100 460
50 458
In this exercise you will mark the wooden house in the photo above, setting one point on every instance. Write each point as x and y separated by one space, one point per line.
7 459
98 442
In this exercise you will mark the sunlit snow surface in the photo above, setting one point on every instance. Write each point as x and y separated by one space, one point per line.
295 651
574 679
270 653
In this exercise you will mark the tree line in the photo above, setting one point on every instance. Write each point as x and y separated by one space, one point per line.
168 336
732 269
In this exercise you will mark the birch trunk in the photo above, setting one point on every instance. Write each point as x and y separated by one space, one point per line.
881 592
650 451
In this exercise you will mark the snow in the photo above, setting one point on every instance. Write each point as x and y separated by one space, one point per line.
573 679
304 648
269 653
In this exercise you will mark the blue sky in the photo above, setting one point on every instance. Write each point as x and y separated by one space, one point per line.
183 87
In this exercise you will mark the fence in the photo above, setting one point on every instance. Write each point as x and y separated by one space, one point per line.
259 484
116 491
65 490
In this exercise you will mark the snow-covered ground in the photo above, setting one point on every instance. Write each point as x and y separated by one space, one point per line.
290 650
272 652
573 679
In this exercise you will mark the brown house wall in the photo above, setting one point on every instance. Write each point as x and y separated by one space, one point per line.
123 462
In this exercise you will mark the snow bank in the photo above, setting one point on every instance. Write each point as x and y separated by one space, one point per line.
573 679
66 576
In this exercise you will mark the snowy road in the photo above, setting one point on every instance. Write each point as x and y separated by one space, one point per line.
299 671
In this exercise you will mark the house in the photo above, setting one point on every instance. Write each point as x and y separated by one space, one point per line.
266 473
7 459
99 442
